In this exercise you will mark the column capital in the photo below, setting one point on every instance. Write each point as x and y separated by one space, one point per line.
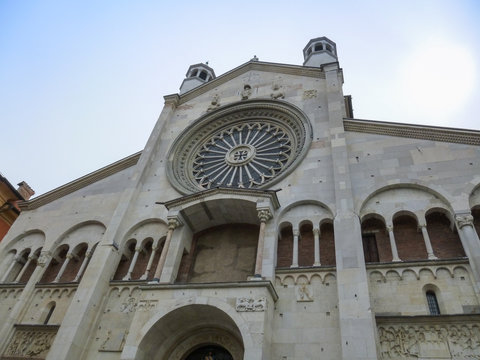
33 257
138 248
69 256
389 227
173 223
44 258
316 231
264 215
89 253
464 220
296 232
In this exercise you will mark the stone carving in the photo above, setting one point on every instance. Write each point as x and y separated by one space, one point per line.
147 305
215 103
304 293
264 215
309 94
464 220
250 304
246 92
114 342
43 258
277 92
31 343
445 341
129 305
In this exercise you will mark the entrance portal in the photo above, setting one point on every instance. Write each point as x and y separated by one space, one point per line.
210 352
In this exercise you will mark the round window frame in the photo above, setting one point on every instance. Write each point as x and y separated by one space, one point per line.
185 147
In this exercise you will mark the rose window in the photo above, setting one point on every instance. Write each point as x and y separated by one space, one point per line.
243 156
251 145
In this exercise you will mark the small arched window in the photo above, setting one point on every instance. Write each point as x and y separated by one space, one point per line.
203 75
194 73
318 47
432 302
48 312
329 48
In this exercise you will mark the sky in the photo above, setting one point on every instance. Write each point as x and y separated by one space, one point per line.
82 82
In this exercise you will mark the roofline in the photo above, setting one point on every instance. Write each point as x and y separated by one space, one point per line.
248 66
81 182
10 186
414 131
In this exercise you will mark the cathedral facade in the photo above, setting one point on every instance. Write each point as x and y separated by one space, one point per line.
261 221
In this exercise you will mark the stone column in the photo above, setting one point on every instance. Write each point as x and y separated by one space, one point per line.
172 225
471 244
150 261
264 215
22 303
428 244
316 237
296 234
64 266
132 264
88 254
393 244
16 259
27 264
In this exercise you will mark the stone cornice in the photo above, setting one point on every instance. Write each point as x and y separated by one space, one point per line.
248 66
433 133
219 285
430 319
80 182
220 191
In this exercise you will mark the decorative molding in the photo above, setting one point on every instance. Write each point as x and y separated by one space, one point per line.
250 304
433 133
402 267
309 94
81 182
301 276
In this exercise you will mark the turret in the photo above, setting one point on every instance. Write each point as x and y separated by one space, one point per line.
320 51
197 75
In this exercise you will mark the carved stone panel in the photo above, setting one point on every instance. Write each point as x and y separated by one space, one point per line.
30 342
251 304
459 341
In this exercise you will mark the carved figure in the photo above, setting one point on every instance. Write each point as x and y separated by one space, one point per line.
247 92
215 103
277 93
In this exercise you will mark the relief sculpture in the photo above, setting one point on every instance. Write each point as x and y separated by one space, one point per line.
250 304
458 342
31 343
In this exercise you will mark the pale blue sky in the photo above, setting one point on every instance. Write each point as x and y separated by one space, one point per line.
82 82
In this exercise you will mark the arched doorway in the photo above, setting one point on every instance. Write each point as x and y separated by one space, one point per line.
189 332
209 352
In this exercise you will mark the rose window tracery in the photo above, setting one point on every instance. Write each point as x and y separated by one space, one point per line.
243 156
248 145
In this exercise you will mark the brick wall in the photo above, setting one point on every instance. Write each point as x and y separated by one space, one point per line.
377 228
306 244
327 245
409 240
285 247
446 243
